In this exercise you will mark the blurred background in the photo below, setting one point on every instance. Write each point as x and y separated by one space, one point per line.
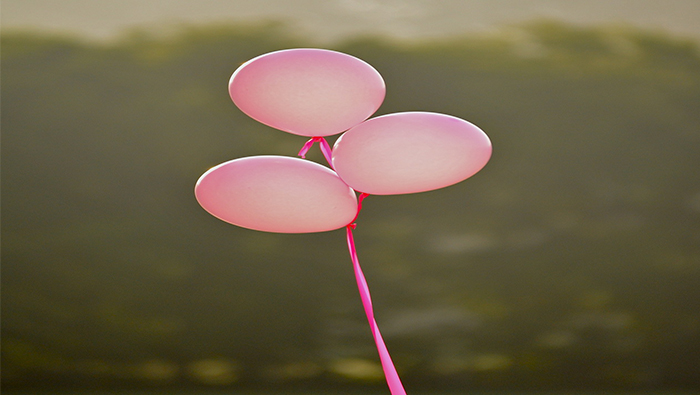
570 262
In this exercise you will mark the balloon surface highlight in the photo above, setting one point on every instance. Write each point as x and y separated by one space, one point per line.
277 194
410 152
306 91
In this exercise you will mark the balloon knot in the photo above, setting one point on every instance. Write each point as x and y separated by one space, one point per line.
352 226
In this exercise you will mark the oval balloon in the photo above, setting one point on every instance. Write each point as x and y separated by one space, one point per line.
307 91
410 152
277 194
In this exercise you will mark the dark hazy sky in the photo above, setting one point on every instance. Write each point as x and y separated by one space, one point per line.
331 19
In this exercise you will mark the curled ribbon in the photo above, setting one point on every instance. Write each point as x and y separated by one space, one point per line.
325 149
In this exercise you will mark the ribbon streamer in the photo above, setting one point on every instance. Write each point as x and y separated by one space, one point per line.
392 377
325 149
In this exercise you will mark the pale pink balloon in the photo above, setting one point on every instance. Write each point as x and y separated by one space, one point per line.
307 91
410 152
277 194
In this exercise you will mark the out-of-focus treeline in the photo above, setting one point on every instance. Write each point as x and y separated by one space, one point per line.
571 261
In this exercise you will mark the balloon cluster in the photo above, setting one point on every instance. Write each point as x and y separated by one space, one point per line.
318 93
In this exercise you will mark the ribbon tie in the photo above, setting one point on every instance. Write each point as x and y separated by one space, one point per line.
325 149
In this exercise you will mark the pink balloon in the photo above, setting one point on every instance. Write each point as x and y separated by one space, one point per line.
410 152
309 92
277 194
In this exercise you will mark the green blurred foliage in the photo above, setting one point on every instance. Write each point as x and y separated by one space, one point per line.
571 261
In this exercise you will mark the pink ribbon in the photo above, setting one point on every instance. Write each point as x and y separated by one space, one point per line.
325 149
392 377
